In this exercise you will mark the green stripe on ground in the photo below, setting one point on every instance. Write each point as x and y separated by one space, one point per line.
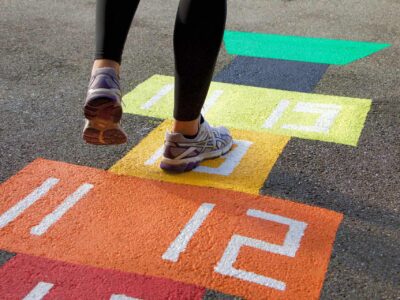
306 49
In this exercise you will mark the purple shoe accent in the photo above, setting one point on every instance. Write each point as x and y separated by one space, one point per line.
104 84
103 110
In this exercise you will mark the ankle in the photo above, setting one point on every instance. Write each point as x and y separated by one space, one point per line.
187 128
106 63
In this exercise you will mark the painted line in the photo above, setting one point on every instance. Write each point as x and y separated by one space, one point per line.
74 281
15 211
211 100
126 224
122 297
232 160
298 48
273 73
180 243
39 291
328 114
289 248
57 214
248 108
164 91
253 154
276 114
155 157
293 237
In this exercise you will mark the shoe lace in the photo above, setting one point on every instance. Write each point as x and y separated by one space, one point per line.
210 133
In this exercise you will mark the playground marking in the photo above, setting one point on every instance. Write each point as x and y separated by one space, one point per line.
40 278
122 297
272 73
164 91
236 243
57 214
304 115
48 221
298 48
39 291
15 211
231 160
289 248
244 168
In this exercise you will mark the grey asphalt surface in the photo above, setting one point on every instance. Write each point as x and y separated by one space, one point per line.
46 53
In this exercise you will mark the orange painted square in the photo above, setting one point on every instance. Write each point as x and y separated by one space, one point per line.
127 224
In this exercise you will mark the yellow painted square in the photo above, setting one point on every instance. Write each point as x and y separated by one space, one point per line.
304 115
258 152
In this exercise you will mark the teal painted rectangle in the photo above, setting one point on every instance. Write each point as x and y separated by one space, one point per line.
306 49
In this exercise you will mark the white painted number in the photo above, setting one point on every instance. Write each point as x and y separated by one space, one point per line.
164 91
328 114
15 211
289 248
122 297
226 265
57 214
276 114
232 160
211 100
183 239
49 220
39 291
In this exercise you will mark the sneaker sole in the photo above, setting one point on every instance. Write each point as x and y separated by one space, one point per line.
188 164
102 123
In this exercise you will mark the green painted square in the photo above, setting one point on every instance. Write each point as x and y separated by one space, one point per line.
310 116
297 48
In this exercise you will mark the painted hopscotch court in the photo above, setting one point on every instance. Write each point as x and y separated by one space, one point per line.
243 169
310 116
237 243
135 232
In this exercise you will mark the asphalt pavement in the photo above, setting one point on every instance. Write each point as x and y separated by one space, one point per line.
46 53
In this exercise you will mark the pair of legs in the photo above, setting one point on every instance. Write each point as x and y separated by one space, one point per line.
198 34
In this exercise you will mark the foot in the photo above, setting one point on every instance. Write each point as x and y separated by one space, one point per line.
103 110
183 154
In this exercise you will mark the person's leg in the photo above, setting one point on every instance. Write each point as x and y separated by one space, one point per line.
103 109
198 35
113 20
199 29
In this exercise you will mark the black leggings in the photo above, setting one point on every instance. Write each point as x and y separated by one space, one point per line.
198 33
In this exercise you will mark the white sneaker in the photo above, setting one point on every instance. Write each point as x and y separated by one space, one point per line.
183 154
